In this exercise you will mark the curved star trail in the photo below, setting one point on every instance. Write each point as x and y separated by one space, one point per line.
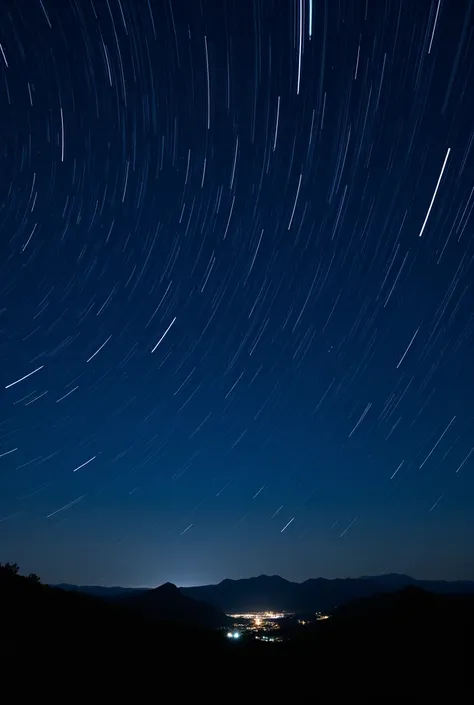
225 348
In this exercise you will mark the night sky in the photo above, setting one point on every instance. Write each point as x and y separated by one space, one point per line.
237 289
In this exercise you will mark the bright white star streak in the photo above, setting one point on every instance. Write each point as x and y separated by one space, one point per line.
435 192
164 335
12 384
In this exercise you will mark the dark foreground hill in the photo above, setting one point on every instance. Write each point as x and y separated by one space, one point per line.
409 646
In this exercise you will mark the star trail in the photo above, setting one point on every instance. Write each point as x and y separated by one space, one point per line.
237 289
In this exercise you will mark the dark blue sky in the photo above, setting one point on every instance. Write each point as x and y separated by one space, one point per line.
237 278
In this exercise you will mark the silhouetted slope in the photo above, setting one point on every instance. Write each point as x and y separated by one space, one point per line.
167 603
70 647
27 606
408 646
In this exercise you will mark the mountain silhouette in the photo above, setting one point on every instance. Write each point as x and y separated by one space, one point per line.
272 592
167 603
313 595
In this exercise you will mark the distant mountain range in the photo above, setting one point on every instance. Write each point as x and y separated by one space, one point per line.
270 593
99 590
316 594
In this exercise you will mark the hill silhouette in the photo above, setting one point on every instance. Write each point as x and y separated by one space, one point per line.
168 603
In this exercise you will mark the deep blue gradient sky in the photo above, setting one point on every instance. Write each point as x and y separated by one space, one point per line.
244 349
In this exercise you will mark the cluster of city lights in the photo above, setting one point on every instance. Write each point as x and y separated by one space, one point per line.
261 615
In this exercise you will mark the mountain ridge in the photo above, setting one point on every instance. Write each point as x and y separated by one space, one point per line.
274 592
312 595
